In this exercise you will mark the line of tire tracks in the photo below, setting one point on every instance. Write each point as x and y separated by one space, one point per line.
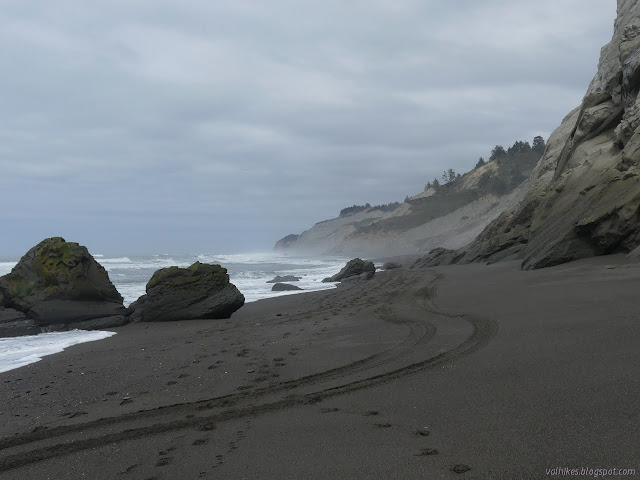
43 444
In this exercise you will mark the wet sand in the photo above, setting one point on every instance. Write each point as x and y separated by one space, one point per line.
470 372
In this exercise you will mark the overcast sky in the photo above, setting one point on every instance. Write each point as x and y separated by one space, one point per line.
221 126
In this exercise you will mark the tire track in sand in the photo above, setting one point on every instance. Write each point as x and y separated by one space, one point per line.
45 444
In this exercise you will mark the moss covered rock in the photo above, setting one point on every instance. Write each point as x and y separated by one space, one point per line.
201 291
59 283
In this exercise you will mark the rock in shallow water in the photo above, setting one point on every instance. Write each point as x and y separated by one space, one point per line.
283 287
356 268
201 291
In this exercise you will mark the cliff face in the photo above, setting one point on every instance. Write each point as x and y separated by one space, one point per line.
450 217
584 195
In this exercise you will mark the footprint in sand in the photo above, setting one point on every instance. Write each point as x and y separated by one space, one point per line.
460 468
383 425
199 441
206 427
164 461
329 410
371 413
426 452
129 469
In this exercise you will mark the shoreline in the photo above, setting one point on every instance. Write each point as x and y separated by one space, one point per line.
485 364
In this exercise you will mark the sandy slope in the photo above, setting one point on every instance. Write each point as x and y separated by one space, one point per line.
507 372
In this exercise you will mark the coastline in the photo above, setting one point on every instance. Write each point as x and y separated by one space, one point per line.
505 371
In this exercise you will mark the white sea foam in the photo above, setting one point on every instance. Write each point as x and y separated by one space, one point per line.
5 267
126 263
20 351
114 260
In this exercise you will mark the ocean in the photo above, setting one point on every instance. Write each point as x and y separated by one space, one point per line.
130 274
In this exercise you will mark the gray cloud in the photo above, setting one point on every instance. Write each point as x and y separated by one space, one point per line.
218 126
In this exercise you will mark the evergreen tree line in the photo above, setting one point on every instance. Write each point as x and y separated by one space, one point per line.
386 207
519 147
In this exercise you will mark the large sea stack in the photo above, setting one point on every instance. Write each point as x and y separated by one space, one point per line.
55 286
201 291
584 194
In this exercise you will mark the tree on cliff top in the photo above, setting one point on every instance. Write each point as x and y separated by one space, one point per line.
498 152
538 144
518 147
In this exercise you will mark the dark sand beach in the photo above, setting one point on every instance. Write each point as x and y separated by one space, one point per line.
488 371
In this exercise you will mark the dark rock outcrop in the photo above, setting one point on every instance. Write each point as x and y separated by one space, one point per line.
354 268
15 324
201 291
437 256
391 265
283 287
583 197
58 285
284 278
357 278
